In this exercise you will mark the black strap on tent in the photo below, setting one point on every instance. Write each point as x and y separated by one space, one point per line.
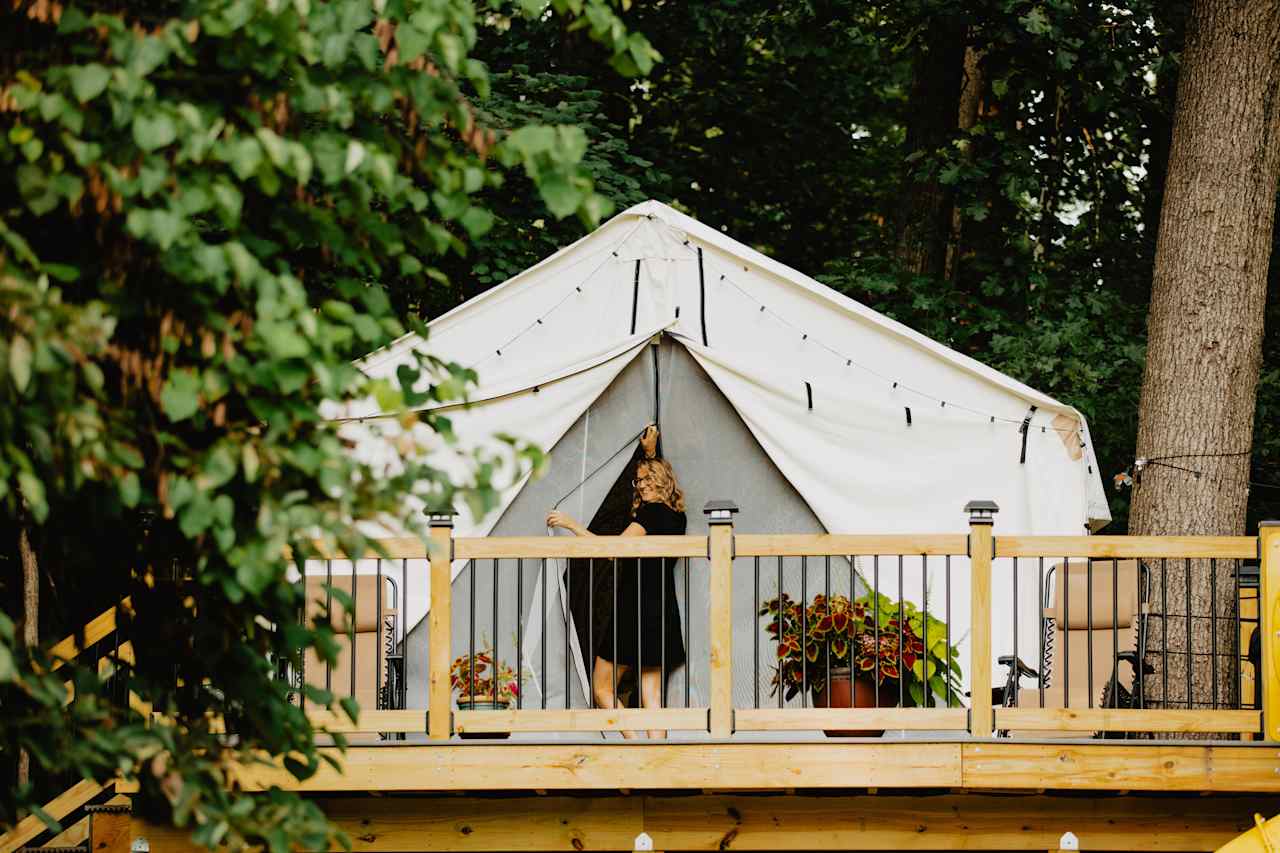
808 390
657 394
1024 429
702 296
635 297
907 409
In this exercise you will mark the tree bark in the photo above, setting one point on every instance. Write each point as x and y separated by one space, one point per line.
1204 337
924 217
30 619
966 118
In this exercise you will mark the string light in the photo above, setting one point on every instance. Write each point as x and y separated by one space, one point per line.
577 289
1132 476
849 362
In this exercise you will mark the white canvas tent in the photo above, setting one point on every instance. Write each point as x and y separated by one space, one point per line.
808 409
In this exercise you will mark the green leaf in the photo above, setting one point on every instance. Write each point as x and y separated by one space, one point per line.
88 81
411 42
477 221
180 396
33 493
561 196
20 362
8 668
152 131
130 490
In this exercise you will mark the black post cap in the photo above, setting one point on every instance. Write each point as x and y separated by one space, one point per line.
981 512
720 511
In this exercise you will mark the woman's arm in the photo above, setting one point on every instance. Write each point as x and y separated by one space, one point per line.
568 522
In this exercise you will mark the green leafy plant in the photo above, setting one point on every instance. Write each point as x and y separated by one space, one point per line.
205 209
877 638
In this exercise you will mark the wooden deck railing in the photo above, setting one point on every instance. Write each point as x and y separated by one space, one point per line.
720 718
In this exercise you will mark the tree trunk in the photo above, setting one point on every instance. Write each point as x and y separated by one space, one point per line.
967 117
924 217
30 619
1204 330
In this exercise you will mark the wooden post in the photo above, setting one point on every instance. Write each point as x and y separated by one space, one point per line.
720 555
110 828
439 626
1269 625
981 549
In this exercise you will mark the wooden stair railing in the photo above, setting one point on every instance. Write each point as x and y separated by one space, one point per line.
75 797
81 793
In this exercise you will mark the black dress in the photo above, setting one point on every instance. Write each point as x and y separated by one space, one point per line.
648 615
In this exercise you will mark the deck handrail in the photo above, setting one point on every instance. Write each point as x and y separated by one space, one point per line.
721 546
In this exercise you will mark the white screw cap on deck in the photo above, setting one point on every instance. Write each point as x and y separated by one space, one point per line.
1068 841
140 845
643 842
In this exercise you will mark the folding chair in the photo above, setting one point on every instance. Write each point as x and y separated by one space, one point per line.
1090 621
377 661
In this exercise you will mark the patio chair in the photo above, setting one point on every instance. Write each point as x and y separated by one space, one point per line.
378 662
1080 635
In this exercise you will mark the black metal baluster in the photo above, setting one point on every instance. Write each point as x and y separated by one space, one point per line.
1088 619
355 614
875 622
947 604
1017 676
496 644
471 648
902 676
613 698
377 643
827 687
664 572
1044 670
1235 642
924 660
543 586
781 689
1066 633
1186 563
519 611
755 609
1115 631
1140 676
590 654
639 634
568 626
1213 628
328 615
403 642
688 663
1164 633
804 632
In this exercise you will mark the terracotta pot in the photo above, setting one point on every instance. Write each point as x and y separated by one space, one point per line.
482 703
845 691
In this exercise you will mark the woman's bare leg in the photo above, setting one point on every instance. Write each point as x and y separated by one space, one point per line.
604 675
651 694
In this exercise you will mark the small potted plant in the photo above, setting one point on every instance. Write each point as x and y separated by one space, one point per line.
483 684
873 652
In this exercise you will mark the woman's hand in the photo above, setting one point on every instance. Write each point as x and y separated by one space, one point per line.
555 518
649 441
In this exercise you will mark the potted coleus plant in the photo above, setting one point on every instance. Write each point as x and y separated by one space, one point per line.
482 683
874 652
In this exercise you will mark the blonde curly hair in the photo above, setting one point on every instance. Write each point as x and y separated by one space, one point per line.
664 477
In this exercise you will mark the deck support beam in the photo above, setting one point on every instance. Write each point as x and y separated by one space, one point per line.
855 822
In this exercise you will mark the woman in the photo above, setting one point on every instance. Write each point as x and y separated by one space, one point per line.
657 509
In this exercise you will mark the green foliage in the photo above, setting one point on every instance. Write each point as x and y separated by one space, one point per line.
205 214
